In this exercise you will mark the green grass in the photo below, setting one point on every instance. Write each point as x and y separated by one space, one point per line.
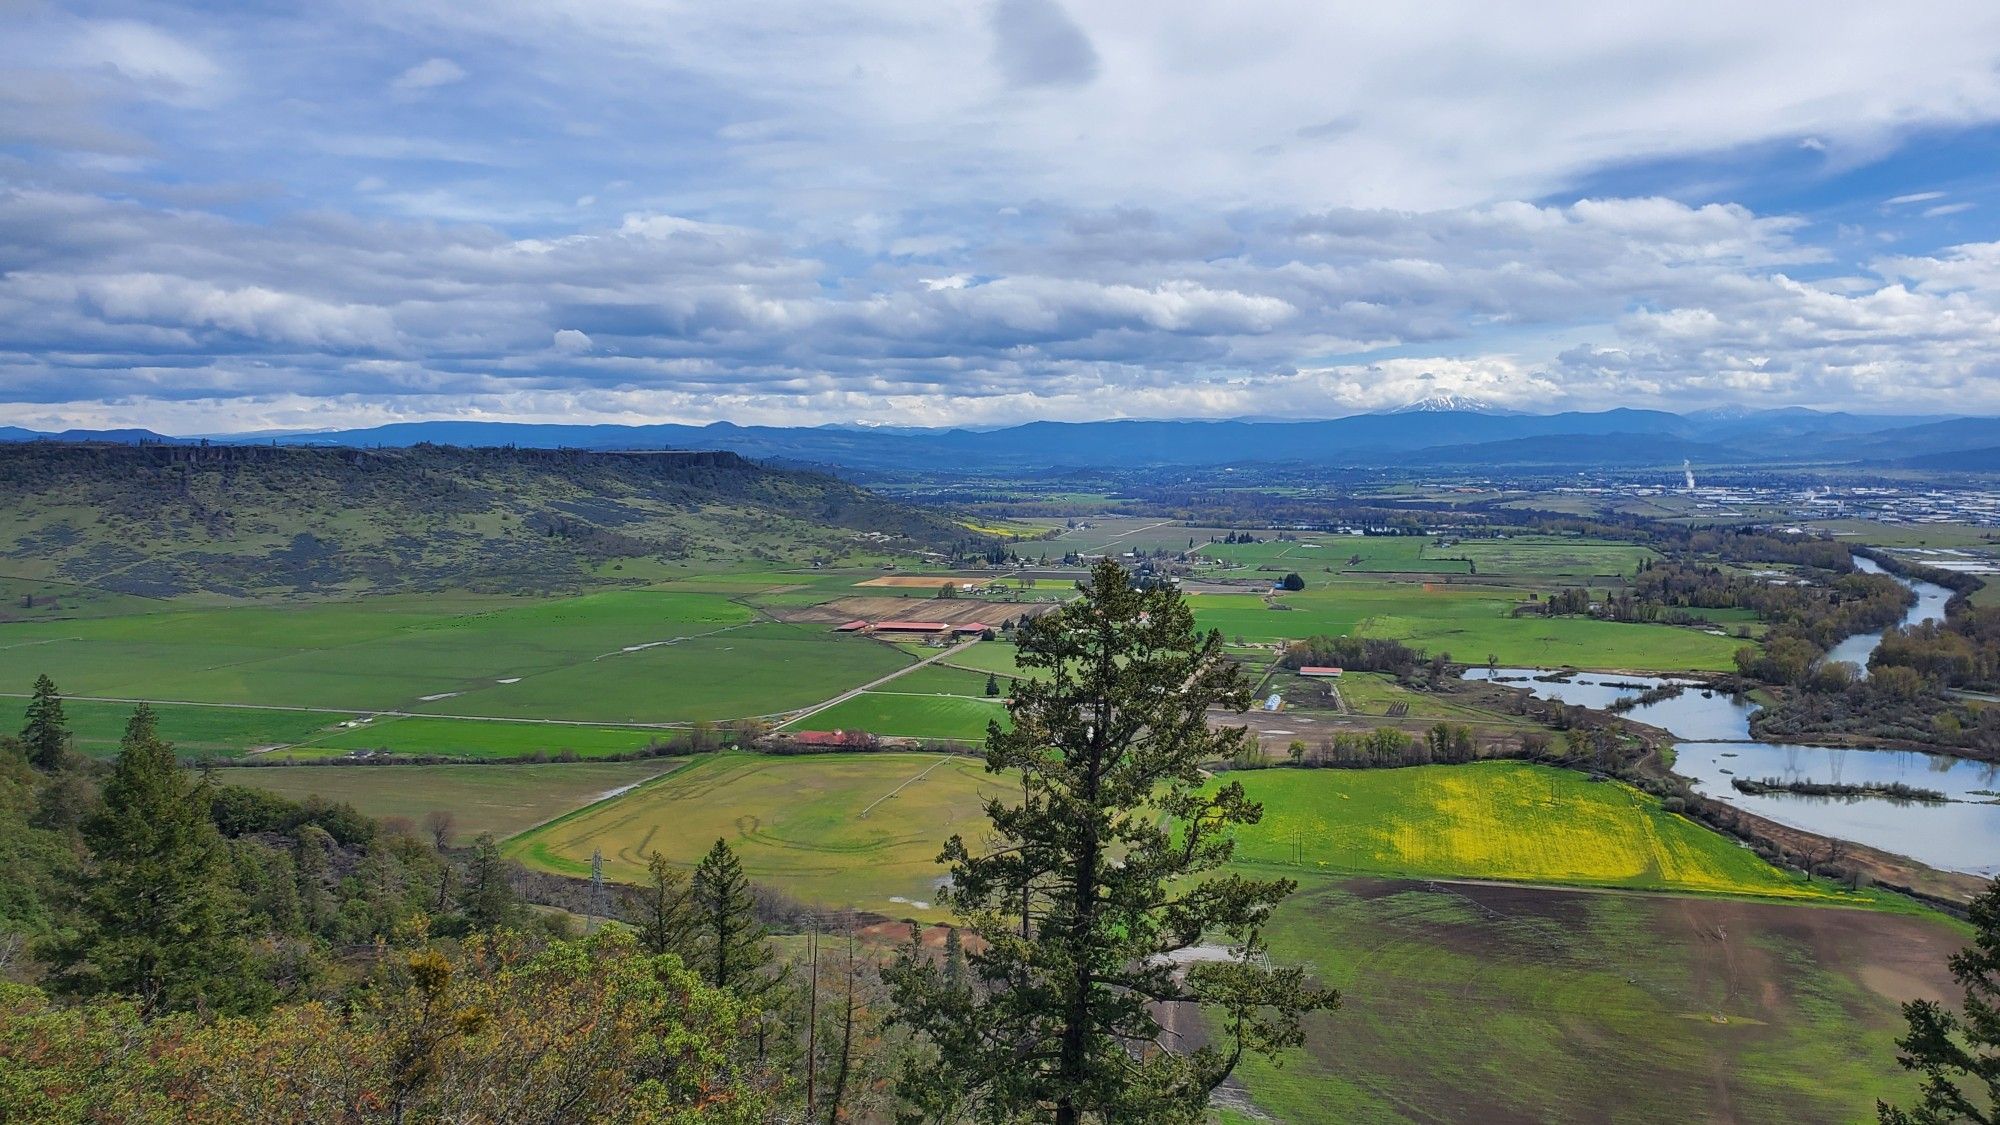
1373 693
1469 622
942 679
1500 820
194 731
597 657
1874 534
989 656
795 822
908 716
1504 1004
1552 556
473 739
1312 555
502 800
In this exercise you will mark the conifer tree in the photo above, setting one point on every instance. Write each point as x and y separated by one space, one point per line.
661 909
488 901
1958 1054
46 733
156 915
729 947
1101 871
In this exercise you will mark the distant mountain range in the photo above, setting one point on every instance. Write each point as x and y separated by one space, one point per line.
1441 430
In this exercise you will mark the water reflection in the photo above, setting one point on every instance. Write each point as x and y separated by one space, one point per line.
1715 745
1857 649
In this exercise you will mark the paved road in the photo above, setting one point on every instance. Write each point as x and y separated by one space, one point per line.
809 712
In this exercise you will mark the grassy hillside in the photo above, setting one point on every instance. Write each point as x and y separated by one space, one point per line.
162 521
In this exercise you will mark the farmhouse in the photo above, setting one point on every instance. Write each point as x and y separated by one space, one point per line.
1320 671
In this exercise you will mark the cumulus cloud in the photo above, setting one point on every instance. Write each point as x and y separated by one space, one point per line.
980 213
660 316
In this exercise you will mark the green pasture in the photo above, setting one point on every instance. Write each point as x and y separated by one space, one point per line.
1314 556
195 731
859 830
1510 1004
624 656
1118 534
942 679
1373 693
1558 557
1874 533
989 656
1469 622
502 800
895 713
473 739
1500 820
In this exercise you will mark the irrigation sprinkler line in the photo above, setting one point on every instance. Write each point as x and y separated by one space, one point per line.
863 814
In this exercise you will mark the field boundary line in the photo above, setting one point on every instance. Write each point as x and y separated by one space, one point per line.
924 773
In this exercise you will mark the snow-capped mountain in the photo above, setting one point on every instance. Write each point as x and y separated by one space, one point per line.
1448 404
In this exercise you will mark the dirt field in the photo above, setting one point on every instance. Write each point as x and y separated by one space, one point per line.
924 581
952 611
1472 1002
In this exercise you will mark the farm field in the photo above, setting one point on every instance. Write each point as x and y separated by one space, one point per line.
1118 534
1552 556
1469 622
1373 693
1313 556
1517 1004
988 656
1500 820
502 800
195 731
942 679
897 713
471 738
795 822
623 656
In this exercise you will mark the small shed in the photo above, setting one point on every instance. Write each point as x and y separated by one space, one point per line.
1320 671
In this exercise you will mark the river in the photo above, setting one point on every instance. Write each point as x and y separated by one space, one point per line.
1930 607
1714 745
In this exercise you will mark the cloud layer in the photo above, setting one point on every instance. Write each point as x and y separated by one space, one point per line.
979 214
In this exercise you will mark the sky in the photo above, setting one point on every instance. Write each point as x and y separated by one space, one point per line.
257 216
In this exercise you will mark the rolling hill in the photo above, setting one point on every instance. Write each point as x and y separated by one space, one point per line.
166 520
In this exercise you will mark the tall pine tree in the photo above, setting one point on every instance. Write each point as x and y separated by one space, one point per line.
1102 871
156 915
46 733
488 901
729 947
661 909
1958 1053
